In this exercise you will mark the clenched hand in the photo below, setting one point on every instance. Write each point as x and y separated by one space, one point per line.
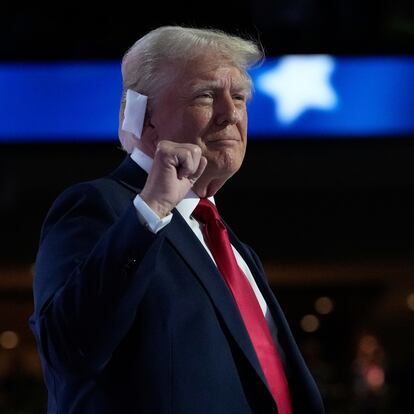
176 167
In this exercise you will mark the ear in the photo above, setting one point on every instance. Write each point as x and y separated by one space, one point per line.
149 137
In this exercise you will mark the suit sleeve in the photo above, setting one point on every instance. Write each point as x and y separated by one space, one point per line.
90 277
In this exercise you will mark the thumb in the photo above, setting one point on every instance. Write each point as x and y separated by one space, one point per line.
201 167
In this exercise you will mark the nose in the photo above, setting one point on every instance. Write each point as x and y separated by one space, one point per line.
226 112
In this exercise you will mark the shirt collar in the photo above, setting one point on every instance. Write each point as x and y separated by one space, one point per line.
187 205
142 159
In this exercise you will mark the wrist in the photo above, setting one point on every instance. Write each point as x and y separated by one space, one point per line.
160 209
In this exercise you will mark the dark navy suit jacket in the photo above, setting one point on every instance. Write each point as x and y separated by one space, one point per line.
127 321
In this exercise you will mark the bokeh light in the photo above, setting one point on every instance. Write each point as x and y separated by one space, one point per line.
9 339
324 305
410 301
309 323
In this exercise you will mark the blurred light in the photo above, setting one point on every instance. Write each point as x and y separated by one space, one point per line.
299 83
375 377
9 339
295 96
410 301
309 323
368 344
324 305
59 101
321 95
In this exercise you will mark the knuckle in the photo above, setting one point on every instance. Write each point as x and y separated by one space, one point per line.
160 146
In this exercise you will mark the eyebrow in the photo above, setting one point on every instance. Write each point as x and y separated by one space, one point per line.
239 86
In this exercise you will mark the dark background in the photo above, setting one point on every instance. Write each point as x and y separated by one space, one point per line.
329 217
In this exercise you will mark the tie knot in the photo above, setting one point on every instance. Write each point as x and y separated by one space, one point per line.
206 211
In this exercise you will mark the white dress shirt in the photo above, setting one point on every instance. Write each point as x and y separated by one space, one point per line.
186 207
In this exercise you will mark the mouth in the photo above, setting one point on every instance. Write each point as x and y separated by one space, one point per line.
224 140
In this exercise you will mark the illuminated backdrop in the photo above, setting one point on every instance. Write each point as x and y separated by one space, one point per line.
295 96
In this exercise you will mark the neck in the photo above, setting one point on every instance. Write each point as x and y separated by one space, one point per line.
146 149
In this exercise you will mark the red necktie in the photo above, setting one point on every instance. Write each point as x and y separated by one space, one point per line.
217 239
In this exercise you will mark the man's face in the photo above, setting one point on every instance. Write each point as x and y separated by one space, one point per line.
205 104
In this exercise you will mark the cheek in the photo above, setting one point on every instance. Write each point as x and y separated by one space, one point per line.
195 124
243 122
201 117
174 127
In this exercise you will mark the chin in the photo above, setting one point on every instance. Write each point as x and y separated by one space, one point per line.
226 162
231 165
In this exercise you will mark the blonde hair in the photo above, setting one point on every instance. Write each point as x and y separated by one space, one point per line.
144 63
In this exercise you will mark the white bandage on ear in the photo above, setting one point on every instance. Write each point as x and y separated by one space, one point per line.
134 113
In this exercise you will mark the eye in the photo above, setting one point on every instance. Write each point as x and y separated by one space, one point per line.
204 95
240 97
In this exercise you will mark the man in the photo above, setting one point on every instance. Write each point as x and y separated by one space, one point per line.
142 305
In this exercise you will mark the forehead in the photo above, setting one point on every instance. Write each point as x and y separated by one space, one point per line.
209 70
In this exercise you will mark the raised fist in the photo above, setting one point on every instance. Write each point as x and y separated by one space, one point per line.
176 167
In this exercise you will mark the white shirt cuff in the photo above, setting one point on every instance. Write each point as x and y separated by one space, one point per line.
148 217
